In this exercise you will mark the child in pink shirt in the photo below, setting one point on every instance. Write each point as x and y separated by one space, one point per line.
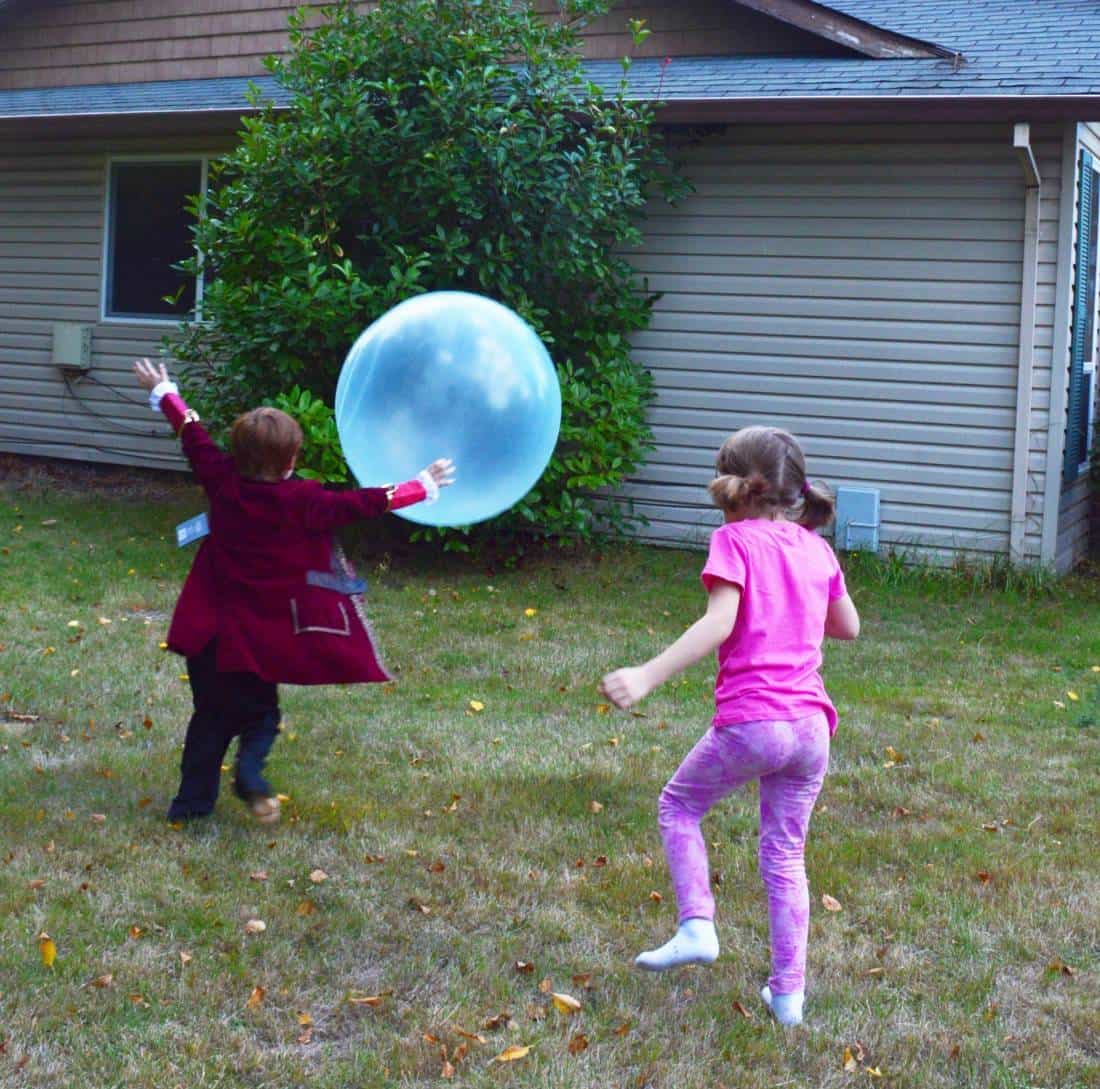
775 591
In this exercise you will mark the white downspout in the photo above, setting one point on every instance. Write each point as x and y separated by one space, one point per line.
1021 141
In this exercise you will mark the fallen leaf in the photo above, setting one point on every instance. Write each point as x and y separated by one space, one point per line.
565 1003
595 807
306 907
103 981
37 883
530 612
436 867
255 926
656 897
99 818
743 1010
830 903
901 811
185 958
623 1029
524 966
984 876
848 1062
317 876
979 736
1060 705
893 757
258 875
545 985
600 860
448 1070
476 705
419 905
306 1036
501 1020
255 998
873 1072
135 932
475 1036
603 708
304 1019
511 1054
1060 966
583 979
372 1000
47 950
578 1044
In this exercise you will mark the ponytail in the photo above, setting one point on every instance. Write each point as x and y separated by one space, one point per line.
734 493
818 507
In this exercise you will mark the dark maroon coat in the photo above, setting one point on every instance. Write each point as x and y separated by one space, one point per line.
268 582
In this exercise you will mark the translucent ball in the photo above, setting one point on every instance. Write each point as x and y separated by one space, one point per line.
456 375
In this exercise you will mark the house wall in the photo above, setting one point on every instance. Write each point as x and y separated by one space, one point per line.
861 287
77 42
52 206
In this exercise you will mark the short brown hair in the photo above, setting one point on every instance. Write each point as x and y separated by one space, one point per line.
761 470
264 442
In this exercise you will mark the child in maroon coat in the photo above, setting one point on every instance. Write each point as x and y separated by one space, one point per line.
269 599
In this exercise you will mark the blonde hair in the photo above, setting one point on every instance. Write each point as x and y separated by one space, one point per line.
762 471
264 442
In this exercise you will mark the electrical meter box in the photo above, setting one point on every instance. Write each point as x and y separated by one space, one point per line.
72 347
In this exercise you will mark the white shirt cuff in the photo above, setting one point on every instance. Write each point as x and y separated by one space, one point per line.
158 391
430 486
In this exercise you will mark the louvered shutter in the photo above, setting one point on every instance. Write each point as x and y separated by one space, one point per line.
1084 317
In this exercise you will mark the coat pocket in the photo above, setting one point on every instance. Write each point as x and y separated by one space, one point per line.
324 613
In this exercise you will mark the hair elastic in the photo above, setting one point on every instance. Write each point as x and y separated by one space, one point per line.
806 488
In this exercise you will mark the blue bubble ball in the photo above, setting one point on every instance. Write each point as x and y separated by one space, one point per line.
456 375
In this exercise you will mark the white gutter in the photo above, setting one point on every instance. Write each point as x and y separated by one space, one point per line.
1025 366
1059 357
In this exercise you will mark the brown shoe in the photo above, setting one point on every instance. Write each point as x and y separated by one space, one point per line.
265 809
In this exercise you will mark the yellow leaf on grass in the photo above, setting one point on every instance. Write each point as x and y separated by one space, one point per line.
371 1000
185 958
530 612
511 1054
255 926
47 950
565 1003
317 876
255 998
595 807
476 705
304 1019
1073 696
830 903
849 1061
603 708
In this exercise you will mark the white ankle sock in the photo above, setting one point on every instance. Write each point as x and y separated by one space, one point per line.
694 943
786 1008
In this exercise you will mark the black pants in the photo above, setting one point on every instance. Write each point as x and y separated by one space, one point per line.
227 705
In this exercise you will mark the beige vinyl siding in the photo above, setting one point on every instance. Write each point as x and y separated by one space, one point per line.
1046 142
859 286
51 251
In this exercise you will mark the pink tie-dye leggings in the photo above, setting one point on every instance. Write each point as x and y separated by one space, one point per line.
790 760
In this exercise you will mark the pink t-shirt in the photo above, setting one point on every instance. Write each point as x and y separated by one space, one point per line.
768 667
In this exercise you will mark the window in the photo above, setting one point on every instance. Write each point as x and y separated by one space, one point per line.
1083 344
149 231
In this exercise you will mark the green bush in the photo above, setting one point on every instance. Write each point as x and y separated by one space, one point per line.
320 457
436 144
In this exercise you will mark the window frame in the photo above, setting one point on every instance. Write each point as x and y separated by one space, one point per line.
203 158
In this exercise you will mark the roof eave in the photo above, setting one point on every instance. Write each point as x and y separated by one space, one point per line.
881 108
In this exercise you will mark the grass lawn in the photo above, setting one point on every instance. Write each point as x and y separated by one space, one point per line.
443 866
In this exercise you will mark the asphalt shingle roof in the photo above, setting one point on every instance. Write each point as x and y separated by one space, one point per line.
1010 48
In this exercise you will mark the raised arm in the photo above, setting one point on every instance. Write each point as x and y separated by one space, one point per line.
625 687
207 460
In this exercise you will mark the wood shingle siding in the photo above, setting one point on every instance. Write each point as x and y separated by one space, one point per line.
80 42
860 287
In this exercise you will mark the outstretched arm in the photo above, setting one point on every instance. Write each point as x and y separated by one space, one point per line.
208 462
625 687
326 510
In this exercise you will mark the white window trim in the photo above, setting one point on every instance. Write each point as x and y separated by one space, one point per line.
201 157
